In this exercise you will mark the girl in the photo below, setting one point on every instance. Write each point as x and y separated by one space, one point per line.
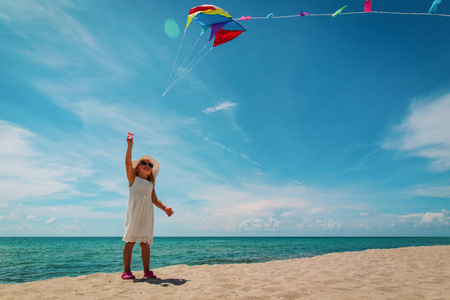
139 220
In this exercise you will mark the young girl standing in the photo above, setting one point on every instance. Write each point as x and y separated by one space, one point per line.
139 220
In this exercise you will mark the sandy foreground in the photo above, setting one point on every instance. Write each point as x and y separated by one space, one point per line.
403 273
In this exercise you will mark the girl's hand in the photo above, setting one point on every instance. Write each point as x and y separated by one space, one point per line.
130 143
169 211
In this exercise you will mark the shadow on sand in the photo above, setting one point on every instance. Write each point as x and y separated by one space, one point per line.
162 282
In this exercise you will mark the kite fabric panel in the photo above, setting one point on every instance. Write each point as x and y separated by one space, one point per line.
368 6
339 11
229 31
223 27
216 12
434 6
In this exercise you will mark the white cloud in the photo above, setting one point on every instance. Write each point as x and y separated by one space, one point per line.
437 191
15 140
13 216
317 209
76 97
318 225
51 220
364 214
56 39
253 224
32 218
425 133
29 173
327 224
254 200
10 217
4 205
263 207
287 214
428 218
227 105
257 224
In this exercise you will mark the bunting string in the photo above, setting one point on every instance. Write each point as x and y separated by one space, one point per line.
348 13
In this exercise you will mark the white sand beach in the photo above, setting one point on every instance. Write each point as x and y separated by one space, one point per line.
403 273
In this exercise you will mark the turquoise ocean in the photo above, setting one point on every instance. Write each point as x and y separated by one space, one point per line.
25 259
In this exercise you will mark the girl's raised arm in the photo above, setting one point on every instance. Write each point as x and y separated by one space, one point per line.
129 164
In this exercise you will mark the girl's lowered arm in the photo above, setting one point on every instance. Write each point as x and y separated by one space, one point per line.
160 205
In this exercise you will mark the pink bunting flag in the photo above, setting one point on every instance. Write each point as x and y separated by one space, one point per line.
368 6
245 18
130 136
306 13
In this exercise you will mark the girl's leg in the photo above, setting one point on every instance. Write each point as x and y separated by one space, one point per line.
145 251
127 253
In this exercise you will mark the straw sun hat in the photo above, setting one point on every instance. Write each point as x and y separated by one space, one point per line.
155 164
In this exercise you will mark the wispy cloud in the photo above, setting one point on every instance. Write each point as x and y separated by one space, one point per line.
227 105
4 16
29 173
228 108
51 220
425 133
242 155
434 191
59 42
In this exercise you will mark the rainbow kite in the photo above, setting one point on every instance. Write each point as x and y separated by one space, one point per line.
224 29
222 25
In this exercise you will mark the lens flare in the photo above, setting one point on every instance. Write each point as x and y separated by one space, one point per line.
171 28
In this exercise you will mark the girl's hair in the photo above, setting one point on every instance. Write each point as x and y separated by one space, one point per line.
150 177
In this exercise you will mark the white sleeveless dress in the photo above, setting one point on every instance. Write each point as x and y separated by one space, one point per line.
139 220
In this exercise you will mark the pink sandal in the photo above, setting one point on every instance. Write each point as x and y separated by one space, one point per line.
128 275
150 275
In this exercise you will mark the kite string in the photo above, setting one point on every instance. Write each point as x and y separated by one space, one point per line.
348 13
176 57
179 70
399 13
187 71
195 57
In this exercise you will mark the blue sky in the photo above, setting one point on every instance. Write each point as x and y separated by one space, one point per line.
311 126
